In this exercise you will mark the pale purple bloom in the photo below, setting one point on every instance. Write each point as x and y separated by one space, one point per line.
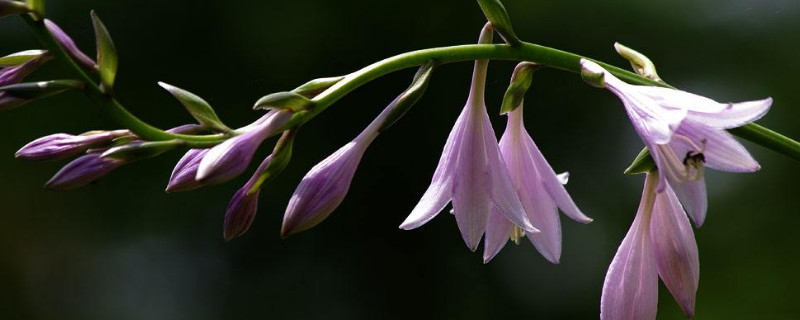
243 206
660 243
471 172
230 158
69 46
686 132
83 171
60 146
540 190
184 175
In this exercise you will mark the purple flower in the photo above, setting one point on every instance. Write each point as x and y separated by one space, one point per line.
243 206
471 172
660 243
15 74
686 132
230 158
184 175
60 146
540 190
83 171
69 46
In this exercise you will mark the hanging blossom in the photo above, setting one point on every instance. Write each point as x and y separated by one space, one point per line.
471 172
540 190
660 243
684 133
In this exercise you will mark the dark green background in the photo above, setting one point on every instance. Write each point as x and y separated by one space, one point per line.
123 249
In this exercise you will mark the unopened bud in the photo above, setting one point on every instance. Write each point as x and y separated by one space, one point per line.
197 107
289 101
83 171
184 176
592 73
640 63
520 83
69 46
60 146
19 58
314 87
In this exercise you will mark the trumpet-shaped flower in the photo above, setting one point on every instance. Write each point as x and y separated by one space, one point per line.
660 243
60 146
684 133
471 172
230 158
540 190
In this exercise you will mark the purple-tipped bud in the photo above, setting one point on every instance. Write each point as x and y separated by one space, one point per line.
244 205
8 7
323 188
60 146
83 171
69 45
230 158
184 175
13 75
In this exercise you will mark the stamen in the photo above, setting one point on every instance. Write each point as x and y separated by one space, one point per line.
517 234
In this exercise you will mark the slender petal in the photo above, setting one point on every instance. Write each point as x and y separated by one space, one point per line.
630 290
734 115
722 152
184 175
675 250
693 196
498 231
60 146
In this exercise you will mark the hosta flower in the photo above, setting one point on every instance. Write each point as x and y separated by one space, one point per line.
471 172
660 243
60 146
243 206
230 158
540 190
83 171
686 132
69 46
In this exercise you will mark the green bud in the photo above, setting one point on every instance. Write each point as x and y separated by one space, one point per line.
640 63
642 164
37 90
284 100
107 59
520 83
314 87
595 79
496 13
141 150
197 107
408 98
19 58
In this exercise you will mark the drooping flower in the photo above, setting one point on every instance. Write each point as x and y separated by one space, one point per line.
471 172
60 146
243 206
540 190
69 46
660 243
684 133
83 171
230 158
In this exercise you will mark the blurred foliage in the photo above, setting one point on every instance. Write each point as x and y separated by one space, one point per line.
123 249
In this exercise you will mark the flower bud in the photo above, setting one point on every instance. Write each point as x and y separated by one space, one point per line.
592 74
289 101
16 59
497 15
13 75
9 7
243 206
184 175
69 46
230 158
60 146
314 87
520 83
82 171
197 107
640 63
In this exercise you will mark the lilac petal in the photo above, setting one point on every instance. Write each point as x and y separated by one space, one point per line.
675 250
722 151
440 191
323 189
69 45
240 213
60 146
734 115
498 232
630 290
678 99
82 171
184 175
693 196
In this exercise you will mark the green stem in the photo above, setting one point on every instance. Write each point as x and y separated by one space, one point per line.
109 104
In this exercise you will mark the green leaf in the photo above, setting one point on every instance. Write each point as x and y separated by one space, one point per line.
15 59
410 96
314 87
520 83
496 13
107 59
284 100
197 107
642 164
141 150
